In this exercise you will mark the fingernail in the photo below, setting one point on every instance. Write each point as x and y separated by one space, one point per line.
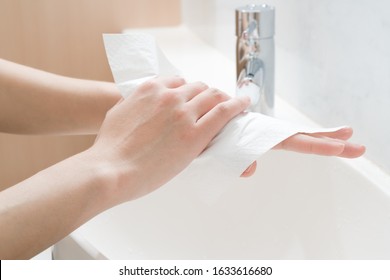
338 148
246 99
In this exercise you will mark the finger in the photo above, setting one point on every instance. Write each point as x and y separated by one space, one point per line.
171 81
250 170
214 120
307 144
344 133
190 90
205 101
352 150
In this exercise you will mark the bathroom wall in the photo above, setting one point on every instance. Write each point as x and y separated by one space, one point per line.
64 37
332 60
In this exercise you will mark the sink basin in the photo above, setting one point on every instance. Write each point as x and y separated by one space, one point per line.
295 206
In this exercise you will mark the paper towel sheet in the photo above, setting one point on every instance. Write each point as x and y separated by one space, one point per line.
134 58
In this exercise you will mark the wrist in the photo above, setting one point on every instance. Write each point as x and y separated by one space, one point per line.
96 98
112 178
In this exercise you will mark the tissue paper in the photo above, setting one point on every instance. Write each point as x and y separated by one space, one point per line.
134 58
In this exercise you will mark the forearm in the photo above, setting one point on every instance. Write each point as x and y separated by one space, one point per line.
37 102
43 209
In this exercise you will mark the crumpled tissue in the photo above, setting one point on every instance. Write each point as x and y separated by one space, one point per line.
136 57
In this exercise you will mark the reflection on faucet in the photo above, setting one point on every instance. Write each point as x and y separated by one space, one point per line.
255 56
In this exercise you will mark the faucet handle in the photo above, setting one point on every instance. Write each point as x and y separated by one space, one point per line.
256 21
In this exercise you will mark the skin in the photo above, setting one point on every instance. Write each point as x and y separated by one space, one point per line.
61 105
164 119
325 144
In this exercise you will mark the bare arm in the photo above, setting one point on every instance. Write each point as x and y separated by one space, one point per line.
38 102
43 209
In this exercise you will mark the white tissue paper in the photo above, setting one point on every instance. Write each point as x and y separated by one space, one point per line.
134 58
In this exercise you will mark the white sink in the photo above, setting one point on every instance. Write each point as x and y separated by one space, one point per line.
295 206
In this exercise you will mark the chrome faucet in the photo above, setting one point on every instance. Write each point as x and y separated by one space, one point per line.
255 27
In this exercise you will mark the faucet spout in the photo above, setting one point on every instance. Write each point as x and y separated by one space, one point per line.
255 56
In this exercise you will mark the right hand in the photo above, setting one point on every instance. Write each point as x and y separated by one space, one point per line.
157 131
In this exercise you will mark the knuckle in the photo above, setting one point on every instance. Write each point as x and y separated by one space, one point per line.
201 86
180 80
180 114
223 109
218 95
150 84
170 98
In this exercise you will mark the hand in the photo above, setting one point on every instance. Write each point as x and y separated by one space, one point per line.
325 144
159 129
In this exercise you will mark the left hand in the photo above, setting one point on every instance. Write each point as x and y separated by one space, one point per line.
324 144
